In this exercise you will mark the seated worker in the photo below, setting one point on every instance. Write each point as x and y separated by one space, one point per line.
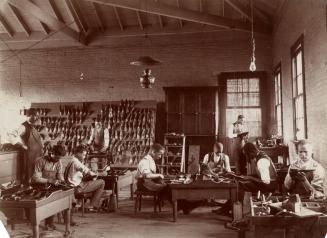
48 170
263 175
98 139
308 183
74 173
148 178
216 161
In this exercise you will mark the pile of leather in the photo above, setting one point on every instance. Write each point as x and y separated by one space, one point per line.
34 192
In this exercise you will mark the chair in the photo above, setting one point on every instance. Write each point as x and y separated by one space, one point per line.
83 197
157 201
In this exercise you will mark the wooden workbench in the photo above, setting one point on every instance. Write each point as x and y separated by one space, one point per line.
200 190
40 209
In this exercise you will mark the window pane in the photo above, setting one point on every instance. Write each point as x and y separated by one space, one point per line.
299 63
254 85
299 84
294 77
299 117
232 85
252 119
279 120
276 90
279 89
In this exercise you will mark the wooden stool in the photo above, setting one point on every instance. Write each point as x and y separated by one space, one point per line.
83 197
138 200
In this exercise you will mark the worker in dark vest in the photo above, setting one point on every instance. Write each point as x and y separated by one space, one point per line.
216 162
30 141
97 137
262 172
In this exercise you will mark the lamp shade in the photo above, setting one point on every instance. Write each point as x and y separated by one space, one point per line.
145 61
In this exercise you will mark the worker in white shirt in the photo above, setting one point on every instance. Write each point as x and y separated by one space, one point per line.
309 181
237 133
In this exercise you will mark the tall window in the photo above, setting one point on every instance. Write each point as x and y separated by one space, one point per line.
299 115
278 101
243 97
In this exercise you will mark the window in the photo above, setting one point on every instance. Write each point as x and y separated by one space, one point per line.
299 114
278 101
243 97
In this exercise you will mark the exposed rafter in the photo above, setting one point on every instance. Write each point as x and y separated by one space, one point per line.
160 20
74 10
139 20
45 17
183 14
200 6
179 20
98 15
246 11
45 28
55 10
118 18
6 26
20 19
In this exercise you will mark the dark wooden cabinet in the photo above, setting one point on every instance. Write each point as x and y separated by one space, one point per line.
191 110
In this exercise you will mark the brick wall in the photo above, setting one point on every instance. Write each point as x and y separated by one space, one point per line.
306 17
53 75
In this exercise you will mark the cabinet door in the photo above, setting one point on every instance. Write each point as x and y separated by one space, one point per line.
190 110
174 122
207 101
173 102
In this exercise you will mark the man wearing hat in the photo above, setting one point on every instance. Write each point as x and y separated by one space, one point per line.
30 140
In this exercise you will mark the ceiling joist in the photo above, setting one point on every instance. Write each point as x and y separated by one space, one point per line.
183 14
118 19
55 10
20 20
246 12
45 17
179 20
99 16
6 26
139 20
74 10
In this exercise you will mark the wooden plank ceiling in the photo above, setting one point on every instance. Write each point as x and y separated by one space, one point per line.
84 21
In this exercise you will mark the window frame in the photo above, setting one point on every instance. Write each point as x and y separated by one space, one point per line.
297 47
278 71
248 76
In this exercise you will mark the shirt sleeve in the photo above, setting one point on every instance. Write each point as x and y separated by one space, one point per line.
80 167
206 159
230 132
144 167
227 164
318 179
37 175
263 167
60 175
288 180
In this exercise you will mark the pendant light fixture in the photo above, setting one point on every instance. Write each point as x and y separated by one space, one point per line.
252 67
146 79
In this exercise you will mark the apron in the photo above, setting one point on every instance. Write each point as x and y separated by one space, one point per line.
34 151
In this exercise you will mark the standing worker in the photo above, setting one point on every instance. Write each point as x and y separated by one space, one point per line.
237 133
31 142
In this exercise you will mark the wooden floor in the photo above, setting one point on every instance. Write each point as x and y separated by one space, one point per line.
125 224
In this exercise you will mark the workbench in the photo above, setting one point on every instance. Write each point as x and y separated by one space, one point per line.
40 209
200 190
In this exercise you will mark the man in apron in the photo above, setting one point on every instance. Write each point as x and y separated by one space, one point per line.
31 143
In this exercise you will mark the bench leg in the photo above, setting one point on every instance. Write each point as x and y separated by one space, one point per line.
140 202
136 204
155 203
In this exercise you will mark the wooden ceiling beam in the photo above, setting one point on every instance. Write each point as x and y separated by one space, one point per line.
246 11
179 20
45 28
20 19
160 20
45 17
55 10
118 18
77 15
99 16
139 20
6 26
183 14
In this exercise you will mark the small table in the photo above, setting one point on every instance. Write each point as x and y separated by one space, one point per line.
111 183
201 189
40 209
